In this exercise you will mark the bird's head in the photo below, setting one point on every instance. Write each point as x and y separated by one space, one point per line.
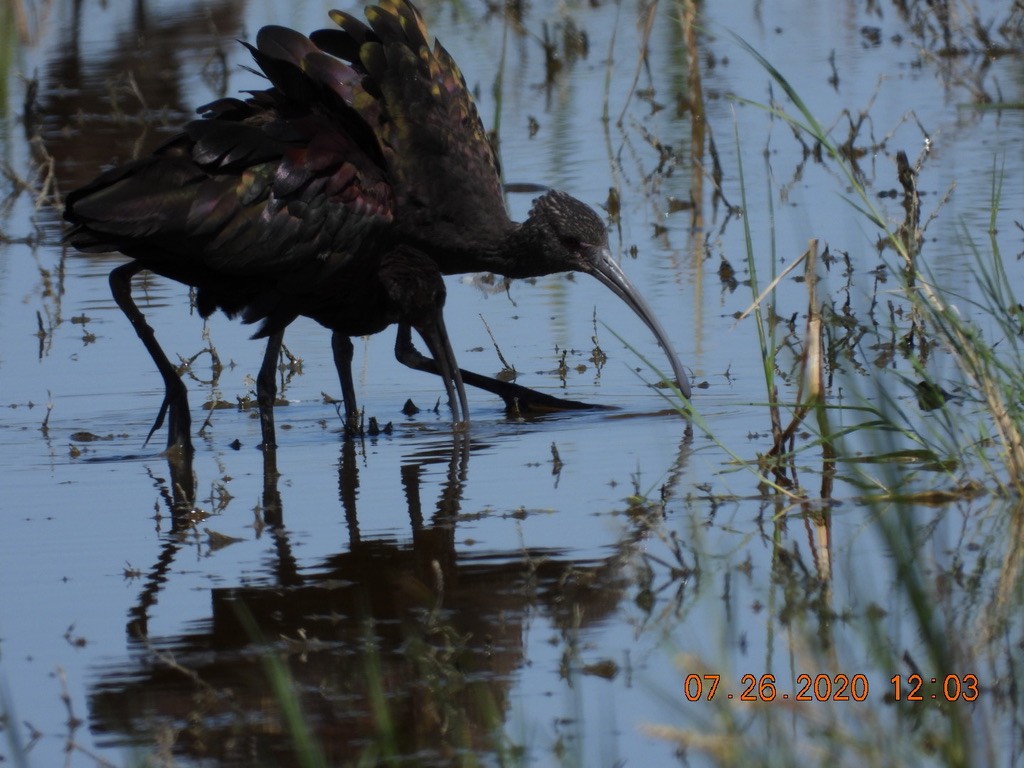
568 235
565 235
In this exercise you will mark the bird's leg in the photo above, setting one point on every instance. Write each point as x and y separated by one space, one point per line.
515 396
341 345
175 394
266 389
436 338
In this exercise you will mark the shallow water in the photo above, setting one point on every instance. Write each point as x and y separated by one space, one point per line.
535 591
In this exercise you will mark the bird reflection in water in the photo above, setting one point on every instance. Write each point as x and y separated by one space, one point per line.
435 636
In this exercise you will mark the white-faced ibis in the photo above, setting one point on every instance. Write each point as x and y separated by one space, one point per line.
341 193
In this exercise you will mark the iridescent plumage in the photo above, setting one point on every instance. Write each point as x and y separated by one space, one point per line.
343 193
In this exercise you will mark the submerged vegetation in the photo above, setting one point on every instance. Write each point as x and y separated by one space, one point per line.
908 455
989 363
832 532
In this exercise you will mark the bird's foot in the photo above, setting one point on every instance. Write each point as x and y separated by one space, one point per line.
353 425
267 430
179 426
179 439
523 401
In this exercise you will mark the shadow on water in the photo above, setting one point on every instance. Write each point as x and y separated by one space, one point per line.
406 647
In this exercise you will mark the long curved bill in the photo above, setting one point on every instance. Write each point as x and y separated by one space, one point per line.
601 265
435 337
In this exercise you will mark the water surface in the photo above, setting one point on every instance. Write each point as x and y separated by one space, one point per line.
535 591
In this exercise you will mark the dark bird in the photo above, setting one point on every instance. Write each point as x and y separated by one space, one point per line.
341 193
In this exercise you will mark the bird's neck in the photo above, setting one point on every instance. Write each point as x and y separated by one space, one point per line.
511 250
518 253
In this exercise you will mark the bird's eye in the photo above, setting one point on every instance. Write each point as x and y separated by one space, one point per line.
569 242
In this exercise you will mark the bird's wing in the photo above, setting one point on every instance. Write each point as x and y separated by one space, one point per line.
256 188
413 96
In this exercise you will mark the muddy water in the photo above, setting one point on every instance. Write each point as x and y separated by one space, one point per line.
536 591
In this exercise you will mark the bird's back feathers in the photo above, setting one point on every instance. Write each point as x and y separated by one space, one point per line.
367 138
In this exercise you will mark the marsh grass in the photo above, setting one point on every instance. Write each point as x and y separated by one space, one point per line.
991 367
989 357
457 710
17 750
307 749
977 444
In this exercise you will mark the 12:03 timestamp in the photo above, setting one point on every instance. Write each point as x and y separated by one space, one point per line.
954 688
